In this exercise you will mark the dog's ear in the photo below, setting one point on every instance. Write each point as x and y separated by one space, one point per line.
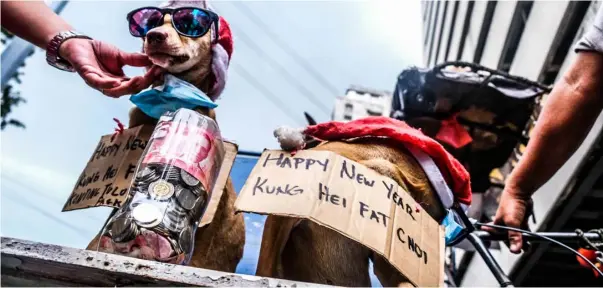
309 118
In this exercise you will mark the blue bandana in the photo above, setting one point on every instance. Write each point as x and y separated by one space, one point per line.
171 96
452 228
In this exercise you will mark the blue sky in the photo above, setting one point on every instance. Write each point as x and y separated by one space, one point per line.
347 42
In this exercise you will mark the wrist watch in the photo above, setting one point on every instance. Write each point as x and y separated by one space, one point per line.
52 50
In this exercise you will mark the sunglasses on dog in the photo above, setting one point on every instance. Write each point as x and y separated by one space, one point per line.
188 21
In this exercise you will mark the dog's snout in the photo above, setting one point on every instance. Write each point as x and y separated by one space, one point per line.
156 37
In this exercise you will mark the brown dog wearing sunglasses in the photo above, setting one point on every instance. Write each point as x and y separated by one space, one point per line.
201 61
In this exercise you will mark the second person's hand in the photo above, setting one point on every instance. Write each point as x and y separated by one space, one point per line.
101 66
513 211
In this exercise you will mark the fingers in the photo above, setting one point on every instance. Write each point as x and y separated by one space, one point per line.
99 81
134 59
136 84
131 86
489 229
153 73
515 242
511 213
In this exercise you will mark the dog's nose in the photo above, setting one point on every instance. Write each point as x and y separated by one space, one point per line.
156 37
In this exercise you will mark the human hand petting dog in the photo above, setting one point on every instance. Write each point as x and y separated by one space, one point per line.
100 65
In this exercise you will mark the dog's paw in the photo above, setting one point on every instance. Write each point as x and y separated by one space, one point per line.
291 139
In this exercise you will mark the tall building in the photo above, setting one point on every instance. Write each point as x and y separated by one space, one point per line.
360 102
535 40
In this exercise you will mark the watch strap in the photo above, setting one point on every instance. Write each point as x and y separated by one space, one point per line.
52 50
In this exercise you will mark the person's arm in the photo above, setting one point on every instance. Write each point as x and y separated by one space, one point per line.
33 21
98 63
567 116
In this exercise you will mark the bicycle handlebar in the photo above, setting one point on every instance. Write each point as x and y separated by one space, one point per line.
563 237
478 237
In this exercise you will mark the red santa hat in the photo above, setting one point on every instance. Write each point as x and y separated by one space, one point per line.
221 49
453 172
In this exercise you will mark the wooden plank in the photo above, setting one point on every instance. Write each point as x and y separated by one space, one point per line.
26 263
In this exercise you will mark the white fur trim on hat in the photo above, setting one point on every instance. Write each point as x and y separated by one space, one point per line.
290 138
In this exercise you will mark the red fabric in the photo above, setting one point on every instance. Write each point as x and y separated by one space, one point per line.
452 133
225 36
454 173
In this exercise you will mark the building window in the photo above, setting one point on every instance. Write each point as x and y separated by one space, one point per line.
349 107
518 24
347 111
373 113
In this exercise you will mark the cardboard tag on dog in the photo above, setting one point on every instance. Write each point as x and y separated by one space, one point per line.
352 199
107 177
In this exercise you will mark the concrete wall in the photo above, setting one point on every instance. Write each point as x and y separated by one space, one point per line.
446 33
437 31
537 37
433 21
498 33
458 29
475 26
428 6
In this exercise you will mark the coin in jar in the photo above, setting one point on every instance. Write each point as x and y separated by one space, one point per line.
185 240
162 230
175 224
170 173
147 215
186 198
122 229
198 190
161 189
175 209
188 179
199 207
175 245
145 173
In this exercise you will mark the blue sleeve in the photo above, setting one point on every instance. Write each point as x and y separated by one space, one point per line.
592 40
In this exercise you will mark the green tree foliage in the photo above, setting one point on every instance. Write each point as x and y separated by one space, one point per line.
10 97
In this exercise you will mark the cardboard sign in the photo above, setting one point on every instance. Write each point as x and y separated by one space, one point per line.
107 177
352 199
